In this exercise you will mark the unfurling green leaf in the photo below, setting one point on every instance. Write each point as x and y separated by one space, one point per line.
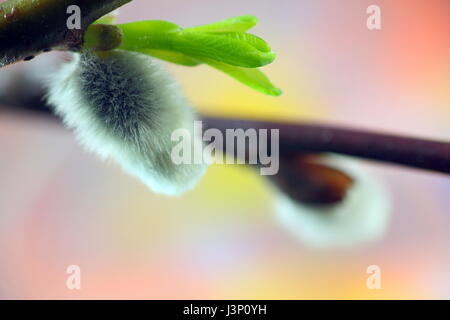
235 24
148 26
173 57
225 49
223 45
249 38
253 78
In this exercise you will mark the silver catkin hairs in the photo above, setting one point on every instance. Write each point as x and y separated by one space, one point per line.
123 105
359 220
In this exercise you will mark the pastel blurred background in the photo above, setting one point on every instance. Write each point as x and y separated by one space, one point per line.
61 206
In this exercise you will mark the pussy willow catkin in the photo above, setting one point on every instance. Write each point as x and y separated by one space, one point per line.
123 105
360 219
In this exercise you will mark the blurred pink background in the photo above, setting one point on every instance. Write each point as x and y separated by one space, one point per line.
61 206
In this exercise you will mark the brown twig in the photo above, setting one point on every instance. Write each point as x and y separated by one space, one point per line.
28 28
307 137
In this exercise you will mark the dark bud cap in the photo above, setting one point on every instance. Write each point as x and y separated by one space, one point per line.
305 179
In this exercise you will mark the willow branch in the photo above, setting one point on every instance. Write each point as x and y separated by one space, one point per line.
307 137
28 28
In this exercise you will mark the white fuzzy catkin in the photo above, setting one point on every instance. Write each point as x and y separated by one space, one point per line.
360 219
123 105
